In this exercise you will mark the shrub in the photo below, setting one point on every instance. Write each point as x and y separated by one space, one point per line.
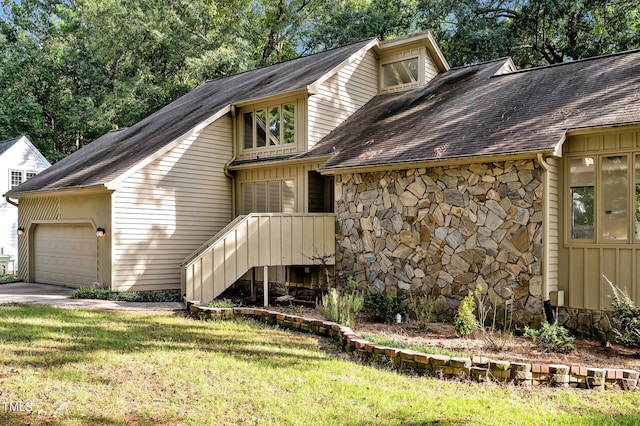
422 308
341 307
627 314
384 308
125 296
551 338
220 303
465 322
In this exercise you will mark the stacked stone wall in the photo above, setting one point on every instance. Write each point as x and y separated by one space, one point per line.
443 231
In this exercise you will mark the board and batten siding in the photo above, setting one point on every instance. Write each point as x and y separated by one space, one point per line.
341 95
583 263
552 222
83 207
166 210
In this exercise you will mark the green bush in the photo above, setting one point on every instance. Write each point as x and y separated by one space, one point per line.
627 314
421 308
126 296
384 308
465 322
341 307
551 338
219 303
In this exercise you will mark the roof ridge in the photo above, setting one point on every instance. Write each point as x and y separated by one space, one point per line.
572 62
502 59
364 41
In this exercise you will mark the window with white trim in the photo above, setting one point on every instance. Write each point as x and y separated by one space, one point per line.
269 126
15 178
400 73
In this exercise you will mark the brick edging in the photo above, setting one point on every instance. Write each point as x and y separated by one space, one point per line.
478 368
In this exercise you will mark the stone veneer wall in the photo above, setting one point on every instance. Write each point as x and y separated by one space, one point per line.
443 231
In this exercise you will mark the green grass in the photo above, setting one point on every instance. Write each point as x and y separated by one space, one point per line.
125 296
76 367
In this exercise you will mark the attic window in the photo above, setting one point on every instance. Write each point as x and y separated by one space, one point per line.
269 126
400 73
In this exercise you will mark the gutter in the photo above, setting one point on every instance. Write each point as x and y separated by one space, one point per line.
13 203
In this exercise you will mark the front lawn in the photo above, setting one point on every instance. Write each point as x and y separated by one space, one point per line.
76 367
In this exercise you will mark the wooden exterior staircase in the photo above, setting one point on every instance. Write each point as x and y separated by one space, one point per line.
256 240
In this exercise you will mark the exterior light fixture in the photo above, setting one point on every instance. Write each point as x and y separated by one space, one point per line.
20 231
100 232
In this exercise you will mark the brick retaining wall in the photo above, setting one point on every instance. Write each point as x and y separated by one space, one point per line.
478 368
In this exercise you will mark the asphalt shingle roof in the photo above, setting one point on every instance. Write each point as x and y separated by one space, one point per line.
112 154
469 111
5 145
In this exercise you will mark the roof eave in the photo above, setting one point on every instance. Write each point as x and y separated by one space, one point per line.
56 191
451 161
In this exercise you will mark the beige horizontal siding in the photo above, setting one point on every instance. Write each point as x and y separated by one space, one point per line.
169 208
342 95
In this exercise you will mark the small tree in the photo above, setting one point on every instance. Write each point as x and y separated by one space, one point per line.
465 322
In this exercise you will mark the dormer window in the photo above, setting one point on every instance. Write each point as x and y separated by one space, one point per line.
269 126
400 73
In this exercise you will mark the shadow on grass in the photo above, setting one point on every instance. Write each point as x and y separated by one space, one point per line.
45 336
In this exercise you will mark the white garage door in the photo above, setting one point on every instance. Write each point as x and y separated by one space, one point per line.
65 254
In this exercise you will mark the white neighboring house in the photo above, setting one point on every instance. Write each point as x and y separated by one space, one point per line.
19 161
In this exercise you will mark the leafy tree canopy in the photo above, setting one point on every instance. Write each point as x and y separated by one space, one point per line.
72 70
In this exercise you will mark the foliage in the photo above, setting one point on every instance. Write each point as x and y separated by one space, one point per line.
8 278
341 306
220 303
465 322
384 308
421 308
126 296
627 315
551 338
493 336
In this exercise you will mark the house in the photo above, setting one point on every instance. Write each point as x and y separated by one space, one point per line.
417 177
19 161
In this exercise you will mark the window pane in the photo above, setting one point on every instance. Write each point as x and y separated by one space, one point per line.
581 181
637 198
401 72
16 178
274 126
30 175
615 201
288 122
261 128
248 130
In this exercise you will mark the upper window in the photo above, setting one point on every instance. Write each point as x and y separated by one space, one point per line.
269 126
605 197
15 178
400 73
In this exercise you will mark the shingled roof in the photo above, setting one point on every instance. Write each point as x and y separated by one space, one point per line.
106 158
471 112
5 145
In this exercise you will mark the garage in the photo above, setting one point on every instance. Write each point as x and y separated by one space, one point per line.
65 254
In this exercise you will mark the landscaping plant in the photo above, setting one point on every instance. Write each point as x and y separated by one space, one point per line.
421 305
627 315
465 322
341 306
551 338
384 308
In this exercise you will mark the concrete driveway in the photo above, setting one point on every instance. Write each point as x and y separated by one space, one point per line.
61 296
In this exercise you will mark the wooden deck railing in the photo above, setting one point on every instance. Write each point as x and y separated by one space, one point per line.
256 240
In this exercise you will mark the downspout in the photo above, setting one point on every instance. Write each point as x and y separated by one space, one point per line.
234 139
545 229
11 202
